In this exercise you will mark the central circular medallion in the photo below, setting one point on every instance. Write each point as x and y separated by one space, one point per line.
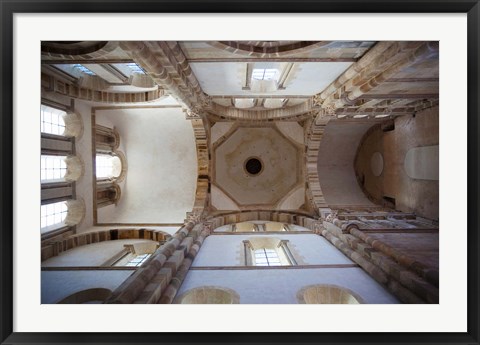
253 166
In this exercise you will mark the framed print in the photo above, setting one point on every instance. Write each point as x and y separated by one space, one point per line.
281 158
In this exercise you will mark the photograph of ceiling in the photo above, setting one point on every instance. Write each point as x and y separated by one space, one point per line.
253 172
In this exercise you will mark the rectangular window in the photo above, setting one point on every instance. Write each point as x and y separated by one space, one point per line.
104 166
52 120
266 257
128 69
135 68
53 215
53 168
264 73
83 69
138 260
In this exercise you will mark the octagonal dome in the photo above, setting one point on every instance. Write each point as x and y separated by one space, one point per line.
279 172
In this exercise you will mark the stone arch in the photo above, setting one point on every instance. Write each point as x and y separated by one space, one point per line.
285 217
56 247
83 50
73 125
61 87
294 113
314 190
76 211
209 295
267 49
75 168
88 296
123 166
327 294
201 143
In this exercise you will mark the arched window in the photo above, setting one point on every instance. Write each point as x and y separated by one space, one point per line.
209 295
60 168
53 216
327 294
57 215
89 296
53 168
135 255
52 120
266 257
108 166
267 251
264 73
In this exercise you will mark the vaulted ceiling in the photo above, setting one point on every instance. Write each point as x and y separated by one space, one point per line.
264 99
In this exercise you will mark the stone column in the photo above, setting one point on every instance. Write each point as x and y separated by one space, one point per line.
431 275
402 293
171 291
149 281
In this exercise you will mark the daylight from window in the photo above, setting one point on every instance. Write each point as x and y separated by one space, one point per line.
53 168
264 73
52 120
53 214
83 69
104 166
266 257
138 260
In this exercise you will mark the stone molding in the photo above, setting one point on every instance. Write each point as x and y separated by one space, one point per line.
71 89
83 50
51 248
314 190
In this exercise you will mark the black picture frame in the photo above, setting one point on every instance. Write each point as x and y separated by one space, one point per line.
10 7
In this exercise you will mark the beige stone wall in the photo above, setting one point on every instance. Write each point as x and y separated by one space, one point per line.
411 194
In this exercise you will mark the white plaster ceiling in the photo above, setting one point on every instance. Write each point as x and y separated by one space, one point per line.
228 78
281 166
335 169
331 50
160 184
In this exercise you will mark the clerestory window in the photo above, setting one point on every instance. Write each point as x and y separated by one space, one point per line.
135 68
83 69
52 120
128 68
267 251
266 257
108 166
138 260
53 168
264 73
53 216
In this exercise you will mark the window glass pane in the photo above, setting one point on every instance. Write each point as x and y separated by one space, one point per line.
104 166
53 215
128 68
107 166
264 73
135 68
138 260
266 257
52 120
83 69
53 168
